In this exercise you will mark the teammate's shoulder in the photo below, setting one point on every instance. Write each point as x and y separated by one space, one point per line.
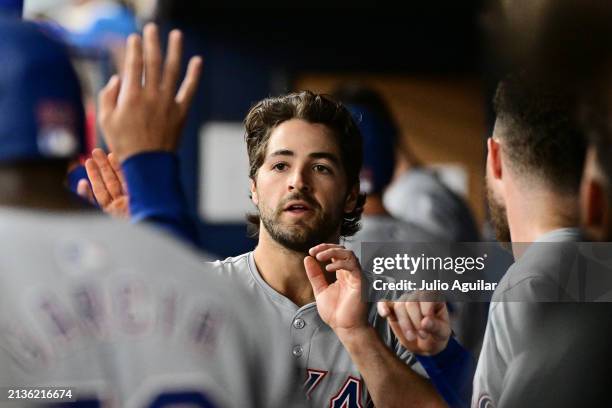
233 260
239 263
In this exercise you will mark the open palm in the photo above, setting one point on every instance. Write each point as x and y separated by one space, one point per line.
108 186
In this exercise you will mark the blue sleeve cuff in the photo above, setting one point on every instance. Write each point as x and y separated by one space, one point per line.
453 352
153 183
156 195
451 371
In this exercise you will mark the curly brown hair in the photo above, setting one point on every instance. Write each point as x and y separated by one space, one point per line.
265 115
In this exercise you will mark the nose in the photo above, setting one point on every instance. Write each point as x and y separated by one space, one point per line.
299 180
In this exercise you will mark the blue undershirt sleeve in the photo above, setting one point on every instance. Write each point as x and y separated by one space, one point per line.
451 371
156 195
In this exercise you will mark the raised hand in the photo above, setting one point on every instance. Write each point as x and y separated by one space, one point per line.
108 186
422 327
339 303
143 111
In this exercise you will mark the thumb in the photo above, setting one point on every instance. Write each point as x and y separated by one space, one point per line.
84 191
315 275
107 98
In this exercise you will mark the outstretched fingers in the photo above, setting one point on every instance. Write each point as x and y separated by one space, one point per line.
132 73
109 177
97 183
114 162
107 98
172 66
152 58
189 85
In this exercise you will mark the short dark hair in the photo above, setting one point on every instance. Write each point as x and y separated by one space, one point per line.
542 136
265 115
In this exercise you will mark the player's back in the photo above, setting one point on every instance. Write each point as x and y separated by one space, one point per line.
127 317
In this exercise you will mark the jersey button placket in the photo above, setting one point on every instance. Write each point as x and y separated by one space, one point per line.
299 335
299 323
297 351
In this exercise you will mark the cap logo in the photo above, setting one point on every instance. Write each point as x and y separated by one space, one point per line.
57 131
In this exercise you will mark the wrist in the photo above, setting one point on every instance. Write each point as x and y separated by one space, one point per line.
126 154
355 335
451 350
147 199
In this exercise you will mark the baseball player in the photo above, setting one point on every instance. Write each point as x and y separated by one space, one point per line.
419 196
304 152
536 354
98 312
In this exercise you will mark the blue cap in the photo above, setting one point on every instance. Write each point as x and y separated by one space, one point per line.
41 110
11 8
379 138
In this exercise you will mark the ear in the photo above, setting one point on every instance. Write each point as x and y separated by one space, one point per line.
594 214
494 161
594 201
253 190
351 199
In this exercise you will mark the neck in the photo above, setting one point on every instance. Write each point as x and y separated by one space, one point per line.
283 269
374 205
536 212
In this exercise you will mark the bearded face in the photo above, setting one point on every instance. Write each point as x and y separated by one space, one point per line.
300 189
298 222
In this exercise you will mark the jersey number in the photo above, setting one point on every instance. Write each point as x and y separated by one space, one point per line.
348 396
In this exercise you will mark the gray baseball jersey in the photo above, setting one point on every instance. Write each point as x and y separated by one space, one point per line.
418 196
129 318
330 377
543 354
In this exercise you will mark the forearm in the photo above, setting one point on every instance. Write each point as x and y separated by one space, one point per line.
390 382
156 195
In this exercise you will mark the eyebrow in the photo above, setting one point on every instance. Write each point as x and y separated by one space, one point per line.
315 155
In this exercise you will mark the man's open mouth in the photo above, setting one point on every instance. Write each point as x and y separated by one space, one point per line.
297 207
